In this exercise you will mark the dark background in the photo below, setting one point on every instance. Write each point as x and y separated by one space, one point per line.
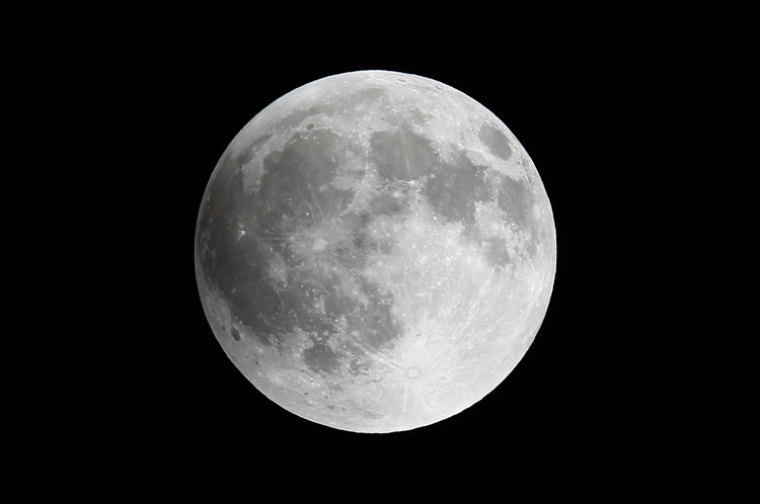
124 114
171 398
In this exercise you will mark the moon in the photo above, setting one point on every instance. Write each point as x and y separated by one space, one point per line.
375 251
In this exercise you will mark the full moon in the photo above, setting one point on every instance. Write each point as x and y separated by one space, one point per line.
375 251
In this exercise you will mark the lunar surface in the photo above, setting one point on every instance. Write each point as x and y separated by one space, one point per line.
375 251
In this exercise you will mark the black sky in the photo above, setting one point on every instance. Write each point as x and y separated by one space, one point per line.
175 396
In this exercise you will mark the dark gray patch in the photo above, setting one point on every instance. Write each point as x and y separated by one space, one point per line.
293 177
364 243
363 96
350 252
321 358
235 334
368 244
238 266
303 296
496 252
374 323
299 115
246 154
402 154
531 247
343 104
496 142
214 205
230 263
385 204
516 200
454 190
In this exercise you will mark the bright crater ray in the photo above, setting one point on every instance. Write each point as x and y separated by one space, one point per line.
375 251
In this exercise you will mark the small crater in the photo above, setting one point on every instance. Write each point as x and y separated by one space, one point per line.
310 126
413 373
358 367
235 334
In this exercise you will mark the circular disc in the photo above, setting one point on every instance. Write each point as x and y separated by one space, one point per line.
375 251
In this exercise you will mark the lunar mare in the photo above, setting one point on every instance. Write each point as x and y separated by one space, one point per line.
375 251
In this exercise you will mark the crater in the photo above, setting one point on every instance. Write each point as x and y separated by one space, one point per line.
235 334
495 141
359 367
